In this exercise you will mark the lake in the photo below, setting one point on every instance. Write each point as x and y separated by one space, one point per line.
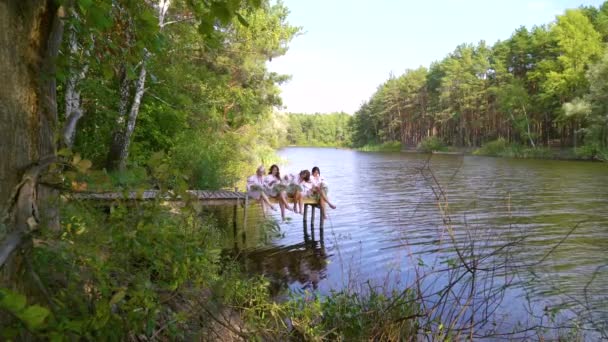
537 227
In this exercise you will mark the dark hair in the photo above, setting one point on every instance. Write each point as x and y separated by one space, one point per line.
278 172
305 174
316 168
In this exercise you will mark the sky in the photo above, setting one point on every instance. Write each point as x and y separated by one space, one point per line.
349 47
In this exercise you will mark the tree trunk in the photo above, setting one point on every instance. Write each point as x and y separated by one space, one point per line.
27 116
73 105
30 33
119 150
128 132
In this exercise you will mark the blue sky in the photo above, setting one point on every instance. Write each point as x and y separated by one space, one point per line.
349 47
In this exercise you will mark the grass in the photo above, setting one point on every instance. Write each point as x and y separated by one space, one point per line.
389 146
431 144
502 148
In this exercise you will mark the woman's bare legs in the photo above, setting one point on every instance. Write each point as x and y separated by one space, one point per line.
282 206
324 198
322 203
283 199
301 203
296 200
267 202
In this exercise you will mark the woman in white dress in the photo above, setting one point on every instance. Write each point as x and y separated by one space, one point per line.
320 190
275 188
306 187
255 188
293 189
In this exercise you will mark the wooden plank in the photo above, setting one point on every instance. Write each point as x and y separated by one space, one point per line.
155 194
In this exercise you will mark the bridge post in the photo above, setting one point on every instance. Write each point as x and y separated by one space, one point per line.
245 211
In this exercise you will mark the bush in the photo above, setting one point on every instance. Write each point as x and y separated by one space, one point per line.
214 160
494 148
430 144
592 152
388 146
125 273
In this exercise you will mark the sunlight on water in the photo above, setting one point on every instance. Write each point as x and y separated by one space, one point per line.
388 222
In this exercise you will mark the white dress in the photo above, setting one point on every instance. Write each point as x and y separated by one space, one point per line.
272 185
255 186
307 189
319 182
291 183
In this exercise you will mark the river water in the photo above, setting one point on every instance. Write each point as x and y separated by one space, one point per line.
541 227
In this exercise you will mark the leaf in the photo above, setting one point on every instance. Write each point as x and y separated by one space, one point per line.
77 158
64 152
85 4
242 20
256 3
34 316
205 27
117 297
12 301
221 11
31 222
84 165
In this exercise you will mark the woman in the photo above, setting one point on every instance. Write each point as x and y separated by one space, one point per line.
293 189
255 188
306 187
320 190
276 189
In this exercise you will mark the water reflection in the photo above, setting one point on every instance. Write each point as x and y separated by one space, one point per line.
303 263
388 222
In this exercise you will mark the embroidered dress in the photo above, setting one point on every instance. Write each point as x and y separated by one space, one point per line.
307 189
291 184
320 183
255 186
272 186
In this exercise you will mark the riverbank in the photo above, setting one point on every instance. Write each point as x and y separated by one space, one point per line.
496 148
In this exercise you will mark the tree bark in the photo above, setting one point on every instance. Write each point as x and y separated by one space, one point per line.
121 141
73 104
29 35
27 112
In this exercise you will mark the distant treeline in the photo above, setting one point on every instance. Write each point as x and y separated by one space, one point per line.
547 86
318 129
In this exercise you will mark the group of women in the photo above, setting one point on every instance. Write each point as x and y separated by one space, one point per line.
304 186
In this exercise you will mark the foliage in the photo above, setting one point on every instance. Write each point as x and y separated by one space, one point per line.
492 148
318 129
430 144
539 85
501 148
215 160
388 146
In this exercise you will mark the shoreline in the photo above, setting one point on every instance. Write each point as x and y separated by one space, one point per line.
567 154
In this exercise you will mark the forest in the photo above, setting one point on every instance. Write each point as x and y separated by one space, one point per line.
542 88
318 129
127 95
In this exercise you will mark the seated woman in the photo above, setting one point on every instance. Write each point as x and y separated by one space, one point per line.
320 190
276 189
255 188
306 187
293 190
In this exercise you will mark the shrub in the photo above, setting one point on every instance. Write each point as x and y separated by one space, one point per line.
430 144
496 148
388 146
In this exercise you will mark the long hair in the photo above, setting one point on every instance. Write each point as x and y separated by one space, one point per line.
305 175
278 172
316 168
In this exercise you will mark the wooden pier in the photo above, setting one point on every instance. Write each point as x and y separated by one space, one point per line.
206 198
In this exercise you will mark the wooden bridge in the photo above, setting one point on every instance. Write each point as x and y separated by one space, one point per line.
206 198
